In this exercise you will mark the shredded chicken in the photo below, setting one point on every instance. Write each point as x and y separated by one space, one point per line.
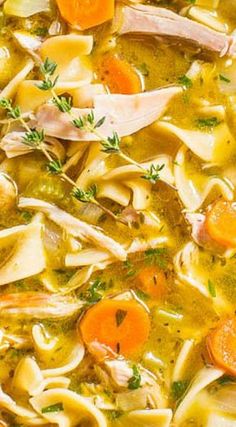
125 114
38 305
74 226
165 23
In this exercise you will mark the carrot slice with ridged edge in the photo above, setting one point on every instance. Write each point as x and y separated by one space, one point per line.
86 13
221 344
124 326
221 223
118 75
152 281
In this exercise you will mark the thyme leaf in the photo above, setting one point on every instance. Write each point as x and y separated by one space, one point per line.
83 195
112 144
55 167
153 173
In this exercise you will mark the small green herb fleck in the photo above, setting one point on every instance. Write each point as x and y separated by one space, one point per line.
226 379
57 407
144 70
178 388
156 256
113 415
93 294
135 381
185 81
40 31
211 288
210 122
27 216
224 78
120 317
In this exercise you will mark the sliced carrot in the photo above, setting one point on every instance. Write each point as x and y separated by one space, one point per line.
86 13
118 75
221 223
152 281
221 344
122 325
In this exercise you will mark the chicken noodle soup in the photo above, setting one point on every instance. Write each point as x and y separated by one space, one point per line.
118 213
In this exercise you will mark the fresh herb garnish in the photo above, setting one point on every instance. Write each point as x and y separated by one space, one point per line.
156 256
93 294
113 415
211 288
210 122
57 407
225 379
27 216
153 173
185 81
120 317
135 381
85 196
178 388
35 139
40 31
144 70
130 267
55 167
224 78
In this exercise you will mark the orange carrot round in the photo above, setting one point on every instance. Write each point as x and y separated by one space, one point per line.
86 13
119 75
221 344
122 325
152 281
221 223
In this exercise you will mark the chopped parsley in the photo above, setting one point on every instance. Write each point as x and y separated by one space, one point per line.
144 70
40 31
226 379
156 256
57 407
224 79
135 381
185 81
178 388
27 216
210 122
120 317
211 288
93 294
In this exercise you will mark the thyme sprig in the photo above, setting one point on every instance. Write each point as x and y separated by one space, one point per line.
111 144
35 139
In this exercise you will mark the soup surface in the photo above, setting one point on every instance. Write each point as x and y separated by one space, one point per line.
118 213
